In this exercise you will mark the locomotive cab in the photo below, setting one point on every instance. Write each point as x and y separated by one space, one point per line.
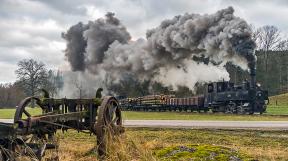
220 87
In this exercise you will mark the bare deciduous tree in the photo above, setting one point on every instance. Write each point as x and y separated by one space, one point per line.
268 40
269 37
32 75
282 45
256 35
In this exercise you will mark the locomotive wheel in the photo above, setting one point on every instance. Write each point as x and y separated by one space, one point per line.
109 123
231 108
241 110
228 111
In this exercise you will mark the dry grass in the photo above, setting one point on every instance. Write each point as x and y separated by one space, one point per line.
75 146
141 144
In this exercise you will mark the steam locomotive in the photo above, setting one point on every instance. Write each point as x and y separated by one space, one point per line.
222 96
229 98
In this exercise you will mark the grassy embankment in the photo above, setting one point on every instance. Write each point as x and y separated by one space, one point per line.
278 104
161 144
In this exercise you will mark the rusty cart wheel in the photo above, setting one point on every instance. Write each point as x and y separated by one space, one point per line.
21 108
109 123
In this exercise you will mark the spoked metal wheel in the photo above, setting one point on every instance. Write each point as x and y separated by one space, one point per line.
240 110
109 123
21 109
231 108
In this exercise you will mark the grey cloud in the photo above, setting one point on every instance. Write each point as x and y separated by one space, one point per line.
37 10
12 55
7 72
66 6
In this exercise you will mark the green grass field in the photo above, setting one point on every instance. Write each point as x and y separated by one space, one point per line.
277 110
9 113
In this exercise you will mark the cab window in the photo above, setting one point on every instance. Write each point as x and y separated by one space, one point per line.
210 88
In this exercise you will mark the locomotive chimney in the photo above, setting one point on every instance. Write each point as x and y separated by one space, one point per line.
253 76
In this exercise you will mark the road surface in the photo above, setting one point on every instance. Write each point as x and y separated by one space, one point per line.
6 120
273 125
277 125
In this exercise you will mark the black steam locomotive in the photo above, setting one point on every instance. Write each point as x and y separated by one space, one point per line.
224 96
229 98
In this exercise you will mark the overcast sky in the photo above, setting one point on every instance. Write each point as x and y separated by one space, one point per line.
32 28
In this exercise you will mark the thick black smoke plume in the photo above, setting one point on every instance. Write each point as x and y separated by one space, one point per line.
104 48
76 46
87 43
